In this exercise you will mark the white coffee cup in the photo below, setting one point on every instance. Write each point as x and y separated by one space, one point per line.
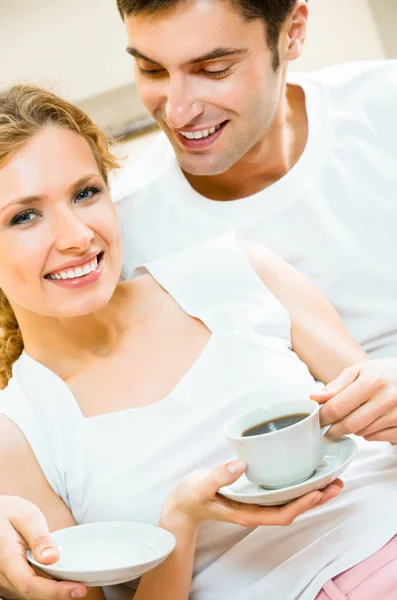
284 457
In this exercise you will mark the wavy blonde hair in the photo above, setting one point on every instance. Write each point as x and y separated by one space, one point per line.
24 111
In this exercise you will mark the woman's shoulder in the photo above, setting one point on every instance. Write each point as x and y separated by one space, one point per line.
144 291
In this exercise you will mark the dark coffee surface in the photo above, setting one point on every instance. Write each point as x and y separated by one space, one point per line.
274 424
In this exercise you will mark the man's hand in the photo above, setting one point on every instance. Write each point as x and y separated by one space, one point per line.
363 401
22 526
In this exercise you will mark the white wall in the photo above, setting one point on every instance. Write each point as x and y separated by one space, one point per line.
77 46
340 31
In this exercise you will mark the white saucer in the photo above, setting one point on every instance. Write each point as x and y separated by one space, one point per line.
338 454
100 554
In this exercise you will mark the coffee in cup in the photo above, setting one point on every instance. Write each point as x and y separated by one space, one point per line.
282 443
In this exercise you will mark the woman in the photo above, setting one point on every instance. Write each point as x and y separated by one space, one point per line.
120 390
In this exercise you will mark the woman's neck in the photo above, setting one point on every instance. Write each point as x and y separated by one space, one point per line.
66 345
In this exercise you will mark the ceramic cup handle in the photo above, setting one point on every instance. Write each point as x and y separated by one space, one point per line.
325 429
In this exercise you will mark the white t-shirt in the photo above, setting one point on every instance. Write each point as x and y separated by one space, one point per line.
333 216
120 466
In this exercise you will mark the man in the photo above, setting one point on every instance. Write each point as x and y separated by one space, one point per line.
308 168
305 165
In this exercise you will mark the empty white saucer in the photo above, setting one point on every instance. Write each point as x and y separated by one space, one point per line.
98 554
338 454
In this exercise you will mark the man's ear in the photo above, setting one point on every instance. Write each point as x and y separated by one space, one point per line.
295 31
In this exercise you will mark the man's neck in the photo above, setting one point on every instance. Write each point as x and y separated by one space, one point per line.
268 161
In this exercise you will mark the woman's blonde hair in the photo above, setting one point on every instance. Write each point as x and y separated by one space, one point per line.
24 111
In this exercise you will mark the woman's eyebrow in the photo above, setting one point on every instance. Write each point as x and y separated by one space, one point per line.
28 200
25 201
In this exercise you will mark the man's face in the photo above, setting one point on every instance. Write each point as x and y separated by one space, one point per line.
205 74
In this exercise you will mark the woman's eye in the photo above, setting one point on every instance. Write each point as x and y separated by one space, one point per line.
87 193
24 217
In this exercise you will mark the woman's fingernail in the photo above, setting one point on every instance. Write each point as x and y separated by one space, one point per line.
237 466
49 552
335 491
78 593
316 498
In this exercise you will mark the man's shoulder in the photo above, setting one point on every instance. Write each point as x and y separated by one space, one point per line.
137 178
352 76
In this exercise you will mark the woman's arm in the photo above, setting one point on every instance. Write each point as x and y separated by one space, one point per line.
318 334
194 500
21 476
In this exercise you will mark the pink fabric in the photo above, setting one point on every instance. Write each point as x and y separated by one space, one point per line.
375 578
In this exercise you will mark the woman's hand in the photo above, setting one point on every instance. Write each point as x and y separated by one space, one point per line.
196 499
23 526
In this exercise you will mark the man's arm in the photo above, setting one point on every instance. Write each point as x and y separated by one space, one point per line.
318 334
361 395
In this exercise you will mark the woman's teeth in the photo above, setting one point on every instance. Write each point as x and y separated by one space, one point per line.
198 135
77 272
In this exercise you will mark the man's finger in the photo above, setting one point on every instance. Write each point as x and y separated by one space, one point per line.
344 403
345 379
362 419
384 421
386 435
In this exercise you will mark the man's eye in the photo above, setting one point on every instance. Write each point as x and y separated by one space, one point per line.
87 193
216 74
150 71
24 217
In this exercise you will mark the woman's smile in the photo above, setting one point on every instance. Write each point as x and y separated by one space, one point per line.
88 270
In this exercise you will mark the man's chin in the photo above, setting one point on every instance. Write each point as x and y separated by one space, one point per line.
208 167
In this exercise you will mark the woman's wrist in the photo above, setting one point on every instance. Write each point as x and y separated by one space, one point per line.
177 521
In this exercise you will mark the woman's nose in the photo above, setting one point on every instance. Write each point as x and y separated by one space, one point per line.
71 233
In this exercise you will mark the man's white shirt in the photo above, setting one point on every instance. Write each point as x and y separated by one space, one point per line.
333 216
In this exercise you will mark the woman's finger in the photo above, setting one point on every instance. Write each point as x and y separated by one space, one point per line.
31 525
224 475
25 583
331 491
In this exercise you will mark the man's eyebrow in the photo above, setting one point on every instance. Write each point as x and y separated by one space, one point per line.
217 53
34 199
136 54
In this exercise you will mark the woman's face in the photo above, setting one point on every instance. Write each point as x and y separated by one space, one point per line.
60 252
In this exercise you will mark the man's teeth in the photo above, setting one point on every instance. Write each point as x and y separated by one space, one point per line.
78 272
198 135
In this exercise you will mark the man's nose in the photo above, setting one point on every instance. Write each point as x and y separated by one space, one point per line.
182 105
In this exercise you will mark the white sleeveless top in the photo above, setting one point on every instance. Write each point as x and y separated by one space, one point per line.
121 466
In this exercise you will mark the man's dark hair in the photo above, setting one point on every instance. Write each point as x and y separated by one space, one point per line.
272 12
